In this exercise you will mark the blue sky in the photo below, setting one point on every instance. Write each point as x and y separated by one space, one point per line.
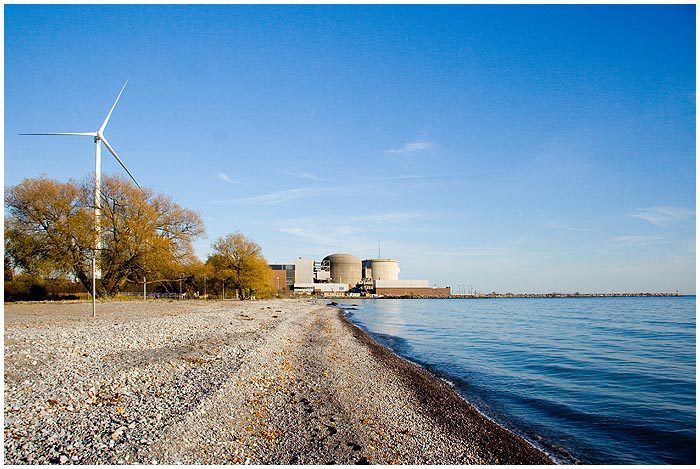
513 148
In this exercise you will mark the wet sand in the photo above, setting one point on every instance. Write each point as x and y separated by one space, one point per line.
194 382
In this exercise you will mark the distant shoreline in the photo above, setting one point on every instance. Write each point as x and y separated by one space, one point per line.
569 295
521 295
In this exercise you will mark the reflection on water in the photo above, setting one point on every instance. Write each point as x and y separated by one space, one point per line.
391 316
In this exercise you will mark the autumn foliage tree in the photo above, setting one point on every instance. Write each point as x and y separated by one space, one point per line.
144 234
49 230
238 263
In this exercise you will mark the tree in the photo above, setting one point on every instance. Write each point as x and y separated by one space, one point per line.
188 276
144 234
9 269
238 263
49 230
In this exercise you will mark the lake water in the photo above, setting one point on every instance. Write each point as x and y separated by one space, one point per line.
591 380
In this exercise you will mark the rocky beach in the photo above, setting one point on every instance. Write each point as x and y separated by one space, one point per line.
197 382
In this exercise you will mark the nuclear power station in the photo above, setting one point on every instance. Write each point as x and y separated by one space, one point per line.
343 274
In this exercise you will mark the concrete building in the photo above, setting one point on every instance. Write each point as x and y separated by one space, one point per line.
401 284
305 288
321 288
409 288
303 271
431 292
381 269
322 272
367 269
330 288
344 268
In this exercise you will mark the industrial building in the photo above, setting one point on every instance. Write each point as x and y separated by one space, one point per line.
409 288
282 276
344 268
343 274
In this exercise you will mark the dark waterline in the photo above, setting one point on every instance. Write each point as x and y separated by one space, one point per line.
592 380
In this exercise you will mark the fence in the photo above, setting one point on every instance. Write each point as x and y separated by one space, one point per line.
154 295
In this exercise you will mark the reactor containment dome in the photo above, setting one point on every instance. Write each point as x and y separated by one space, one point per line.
345 268
383 269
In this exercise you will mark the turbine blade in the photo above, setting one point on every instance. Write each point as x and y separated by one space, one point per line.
104 124
114 153
82 134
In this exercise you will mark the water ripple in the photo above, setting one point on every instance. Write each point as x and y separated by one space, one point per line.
595 380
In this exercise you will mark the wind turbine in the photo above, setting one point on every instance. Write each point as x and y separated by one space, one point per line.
99 138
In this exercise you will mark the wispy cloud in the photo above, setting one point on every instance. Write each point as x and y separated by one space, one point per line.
639 240
476 252
662 216
357 222
273 198
562 226
519 241
404 177
314 236
412 147
224 177
326 236
278 197
302 175
350 230
388 217
640 243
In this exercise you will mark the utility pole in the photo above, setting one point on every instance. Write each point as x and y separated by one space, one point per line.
144 288
94 290
205 288
98 207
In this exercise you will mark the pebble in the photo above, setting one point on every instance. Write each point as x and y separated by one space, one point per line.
117 433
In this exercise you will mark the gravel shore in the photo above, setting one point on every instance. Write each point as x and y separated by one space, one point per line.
195 382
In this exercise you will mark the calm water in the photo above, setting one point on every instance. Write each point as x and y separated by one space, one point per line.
593 380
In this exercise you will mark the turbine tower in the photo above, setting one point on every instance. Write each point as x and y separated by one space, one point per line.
99 138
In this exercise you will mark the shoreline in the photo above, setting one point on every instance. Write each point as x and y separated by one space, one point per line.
481 296
264 382
439 396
